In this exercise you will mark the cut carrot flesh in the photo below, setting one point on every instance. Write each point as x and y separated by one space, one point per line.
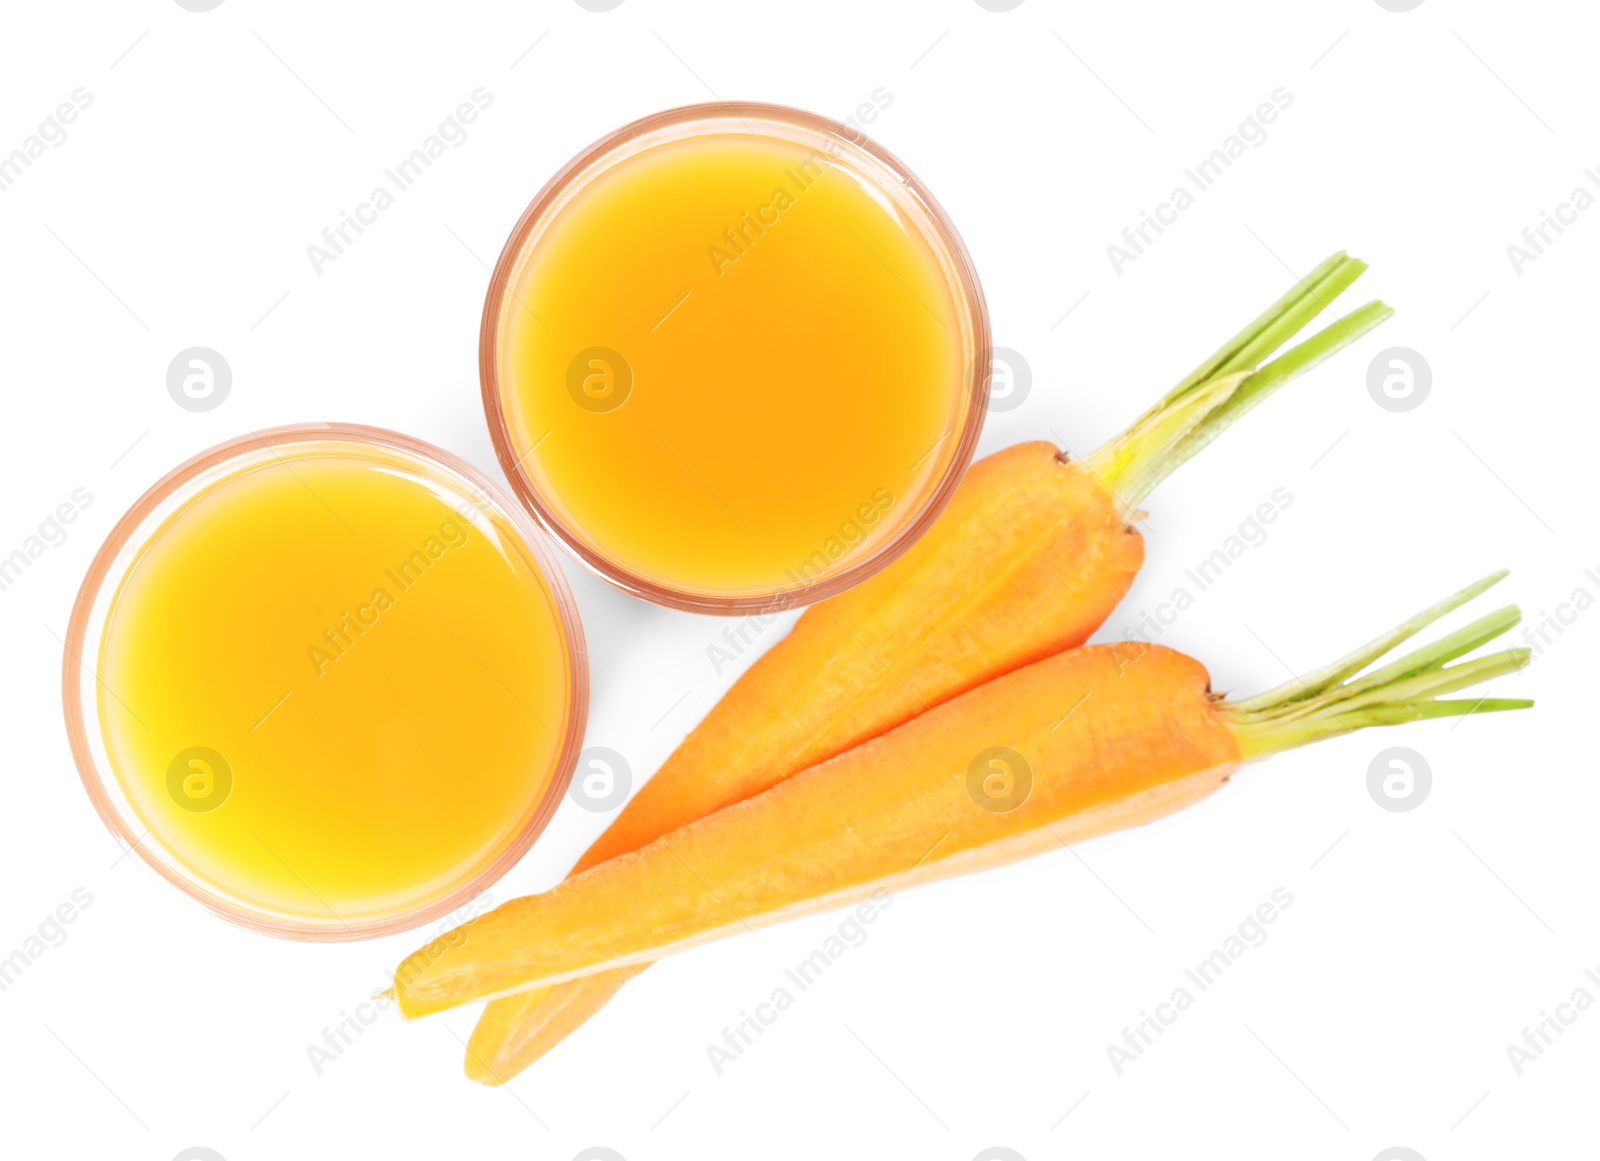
1085 742
1030 557
1106 745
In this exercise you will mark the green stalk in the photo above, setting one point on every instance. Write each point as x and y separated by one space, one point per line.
1280 322
1286 367
1353 663
1227 385
1328 702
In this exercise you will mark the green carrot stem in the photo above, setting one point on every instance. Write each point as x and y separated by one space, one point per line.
1325 704
1322 679
1269 319
1423 662
1316 297
1231 382
1286 367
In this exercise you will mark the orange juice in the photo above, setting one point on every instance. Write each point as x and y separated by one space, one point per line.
734 360
334 686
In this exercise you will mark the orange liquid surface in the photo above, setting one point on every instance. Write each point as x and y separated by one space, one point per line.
332 696
731 365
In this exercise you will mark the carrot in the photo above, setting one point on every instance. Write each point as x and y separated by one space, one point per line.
1029 558
1087 741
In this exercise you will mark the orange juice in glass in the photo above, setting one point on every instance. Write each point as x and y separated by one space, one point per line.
733 356
327 680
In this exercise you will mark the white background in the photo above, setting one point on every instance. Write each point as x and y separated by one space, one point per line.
1418 945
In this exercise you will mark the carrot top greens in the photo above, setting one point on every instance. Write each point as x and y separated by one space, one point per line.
1232 381
1333 701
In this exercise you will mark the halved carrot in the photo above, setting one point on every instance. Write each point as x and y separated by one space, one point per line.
1030 557
1092 739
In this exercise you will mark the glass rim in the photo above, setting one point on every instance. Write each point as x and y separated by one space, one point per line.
977 374
191 478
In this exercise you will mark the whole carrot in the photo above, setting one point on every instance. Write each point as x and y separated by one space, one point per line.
1088 741
1029 558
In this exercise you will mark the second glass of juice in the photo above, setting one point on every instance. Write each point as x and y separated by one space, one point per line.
327 680
735 357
